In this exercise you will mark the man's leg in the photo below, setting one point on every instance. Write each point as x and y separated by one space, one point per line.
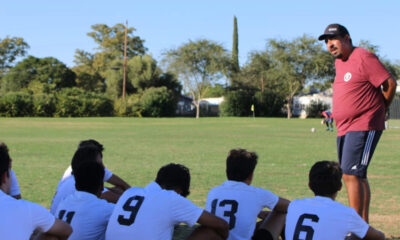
355 192
366 198
202 233
355 151
273 224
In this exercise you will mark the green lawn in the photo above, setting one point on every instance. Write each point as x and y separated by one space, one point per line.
135 148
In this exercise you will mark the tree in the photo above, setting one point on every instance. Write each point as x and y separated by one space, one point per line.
10 49
254 75
111 40
235 49
93 68
143 73
88 75
287 66
199 64
38 75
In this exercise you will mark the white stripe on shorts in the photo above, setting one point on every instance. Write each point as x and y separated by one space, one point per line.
367 148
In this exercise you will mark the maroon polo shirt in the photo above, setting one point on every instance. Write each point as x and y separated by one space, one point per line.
358 103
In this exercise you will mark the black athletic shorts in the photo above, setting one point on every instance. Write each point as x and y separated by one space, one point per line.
355 150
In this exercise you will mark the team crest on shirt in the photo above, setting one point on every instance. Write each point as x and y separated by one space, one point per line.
347 77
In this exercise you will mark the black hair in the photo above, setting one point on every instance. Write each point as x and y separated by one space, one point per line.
88 153
325 178
240 164
5 160
91 142
89 177
174 176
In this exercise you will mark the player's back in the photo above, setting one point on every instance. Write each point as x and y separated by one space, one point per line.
150 213
65 188
87 215
20 218
321 218
239 204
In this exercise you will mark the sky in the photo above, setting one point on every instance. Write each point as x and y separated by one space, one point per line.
56 28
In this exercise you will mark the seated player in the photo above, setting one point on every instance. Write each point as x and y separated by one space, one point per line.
83 210
239 203
153 211
66 186
109 177
321 217
14 188
20 218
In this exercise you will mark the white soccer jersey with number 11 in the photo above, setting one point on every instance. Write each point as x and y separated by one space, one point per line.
321 218
239 204
150 213
87 214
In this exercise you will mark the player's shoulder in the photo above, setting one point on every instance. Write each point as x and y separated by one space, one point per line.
364 53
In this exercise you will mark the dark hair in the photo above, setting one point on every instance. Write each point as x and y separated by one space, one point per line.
240 164
174 176
5 160
89 177
91 142
325 178
84 154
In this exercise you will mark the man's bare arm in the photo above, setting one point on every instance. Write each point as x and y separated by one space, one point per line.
373 234
60 230
117 181
217 224
389 90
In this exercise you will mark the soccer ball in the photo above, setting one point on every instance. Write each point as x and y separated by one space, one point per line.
313 130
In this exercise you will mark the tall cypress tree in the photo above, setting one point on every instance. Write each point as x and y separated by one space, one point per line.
235 50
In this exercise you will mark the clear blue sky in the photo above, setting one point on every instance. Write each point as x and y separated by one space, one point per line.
57 28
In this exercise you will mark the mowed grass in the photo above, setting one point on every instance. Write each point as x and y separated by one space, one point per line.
135 148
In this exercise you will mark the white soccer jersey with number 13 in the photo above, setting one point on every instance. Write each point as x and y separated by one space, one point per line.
239 204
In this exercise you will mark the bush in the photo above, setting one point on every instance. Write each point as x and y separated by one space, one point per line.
16 104
315 108
237 103
130 107
268 104
44 105
74 102
158 102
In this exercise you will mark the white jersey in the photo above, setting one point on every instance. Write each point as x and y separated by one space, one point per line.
239 204
87 215
66 186
68 172
20 218
321 218
150 213
14 188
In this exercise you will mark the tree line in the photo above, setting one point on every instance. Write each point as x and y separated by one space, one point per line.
198 68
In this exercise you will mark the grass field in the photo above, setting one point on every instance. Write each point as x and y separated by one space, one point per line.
135 148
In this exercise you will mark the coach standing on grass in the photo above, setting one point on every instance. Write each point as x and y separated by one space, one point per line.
362 92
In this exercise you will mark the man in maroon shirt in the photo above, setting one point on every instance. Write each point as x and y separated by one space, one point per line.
362 92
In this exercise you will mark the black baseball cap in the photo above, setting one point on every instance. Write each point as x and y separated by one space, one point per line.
334 30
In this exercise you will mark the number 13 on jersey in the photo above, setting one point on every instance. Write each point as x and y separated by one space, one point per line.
230 213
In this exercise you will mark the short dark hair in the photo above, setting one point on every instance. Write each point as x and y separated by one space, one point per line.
91 142
174 176
5 160
325 178
84 154
240 164
89 177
